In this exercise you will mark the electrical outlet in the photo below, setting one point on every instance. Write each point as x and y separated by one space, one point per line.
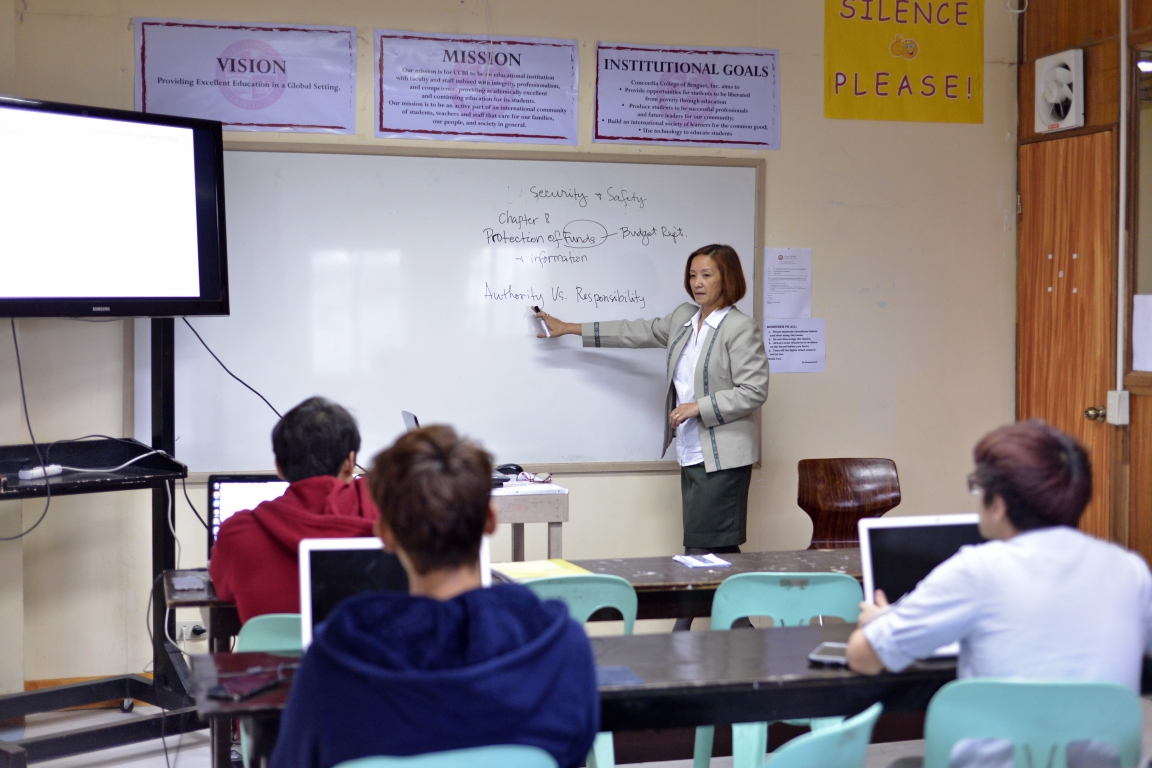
190 631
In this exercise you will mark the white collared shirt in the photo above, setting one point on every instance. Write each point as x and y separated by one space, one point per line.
688 449
1051 603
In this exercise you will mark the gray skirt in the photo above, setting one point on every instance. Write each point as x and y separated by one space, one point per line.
715 505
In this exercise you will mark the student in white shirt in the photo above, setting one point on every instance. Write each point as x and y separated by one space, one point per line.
1040 599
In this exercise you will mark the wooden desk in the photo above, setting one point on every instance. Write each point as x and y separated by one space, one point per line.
668 590
685 679
532 503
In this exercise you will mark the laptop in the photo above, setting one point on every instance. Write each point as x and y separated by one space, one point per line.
334 569
229 494
897 552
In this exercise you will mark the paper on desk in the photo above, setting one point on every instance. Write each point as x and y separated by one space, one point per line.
701 561
787 282
538 569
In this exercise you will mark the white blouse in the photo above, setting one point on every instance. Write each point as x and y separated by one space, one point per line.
688 449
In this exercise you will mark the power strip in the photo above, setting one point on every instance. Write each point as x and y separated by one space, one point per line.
38 472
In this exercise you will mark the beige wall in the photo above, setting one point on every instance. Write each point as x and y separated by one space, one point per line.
911 226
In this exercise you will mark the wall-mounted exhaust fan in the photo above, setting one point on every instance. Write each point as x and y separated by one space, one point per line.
1060 91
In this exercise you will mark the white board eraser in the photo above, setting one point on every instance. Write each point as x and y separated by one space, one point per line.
38 472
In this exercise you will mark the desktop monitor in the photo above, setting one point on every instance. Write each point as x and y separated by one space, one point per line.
229 494
109 213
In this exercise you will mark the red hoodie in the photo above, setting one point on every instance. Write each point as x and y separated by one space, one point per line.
255 557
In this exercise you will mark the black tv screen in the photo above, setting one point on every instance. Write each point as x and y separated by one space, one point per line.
109 213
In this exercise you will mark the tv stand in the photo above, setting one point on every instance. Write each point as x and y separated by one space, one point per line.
170 688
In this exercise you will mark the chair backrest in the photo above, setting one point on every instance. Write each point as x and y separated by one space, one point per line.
1039 717
836 493
844 745
271 633
511 756
791 599
587 593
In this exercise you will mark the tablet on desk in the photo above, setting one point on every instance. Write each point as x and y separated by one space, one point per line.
835 654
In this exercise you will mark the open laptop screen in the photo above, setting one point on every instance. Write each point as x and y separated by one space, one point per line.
897 552
332 570
229 494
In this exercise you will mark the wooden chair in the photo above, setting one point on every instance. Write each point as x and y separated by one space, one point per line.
836 493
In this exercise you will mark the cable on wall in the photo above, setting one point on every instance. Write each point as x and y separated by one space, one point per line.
221 362
28 423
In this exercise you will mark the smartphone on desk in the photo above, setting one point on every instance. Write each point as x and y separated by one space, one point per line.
830 653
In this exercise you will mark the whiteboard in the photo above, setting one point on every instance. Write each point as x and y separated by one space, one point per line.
391 283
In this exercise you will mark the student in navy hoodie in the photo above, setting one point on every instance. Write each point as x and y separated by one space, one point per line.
450 665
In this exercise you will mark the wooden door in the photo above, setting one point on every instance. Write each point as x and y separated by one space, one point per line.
1065 333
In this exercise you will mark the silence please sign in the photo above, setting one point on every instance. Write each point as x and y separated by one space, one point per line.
919 60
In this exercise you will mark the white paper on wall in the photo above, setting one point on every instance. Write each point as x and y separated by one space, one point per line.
787 282
251 77
681 96
1142 332
795 346
476 88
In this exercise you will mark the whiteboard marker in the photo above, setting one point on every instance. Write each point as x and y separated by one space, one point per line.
544 325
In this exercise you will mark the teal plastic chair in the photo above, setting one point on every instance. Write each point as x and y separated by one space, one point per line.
791 599
270 633
585 594
843 745
512 756
1040 718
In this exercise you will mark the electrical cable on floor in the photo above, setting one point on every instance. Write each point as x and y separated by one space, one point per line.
28 423
221 362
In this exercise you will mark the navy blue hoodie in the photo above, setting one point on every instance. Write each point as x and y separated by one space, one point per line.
393 674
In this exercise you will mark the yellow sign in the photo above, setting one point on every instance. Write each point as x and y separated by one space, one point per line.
904 60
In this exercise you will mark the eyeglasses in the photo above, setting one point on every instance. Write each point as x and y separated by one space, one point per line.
974 486
543 477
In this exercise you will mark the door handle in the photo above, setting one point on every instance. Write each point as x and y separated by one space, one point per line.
1095 413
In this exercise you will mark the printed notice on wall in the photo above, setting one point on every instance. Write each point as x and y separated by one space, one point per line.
707 97
787 282
795 346
904 60
476 88
250 77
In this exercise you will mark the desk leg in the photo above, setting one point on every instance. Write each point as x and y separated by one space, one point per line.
555 542
518 542
219 729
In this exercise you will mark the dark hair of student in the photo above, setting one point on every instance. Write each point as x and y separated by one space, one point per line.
1043 475
732 285
314 438
432 488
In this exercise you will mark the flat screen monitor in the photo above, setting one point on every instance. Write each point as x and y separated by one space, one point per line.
109 213
229 494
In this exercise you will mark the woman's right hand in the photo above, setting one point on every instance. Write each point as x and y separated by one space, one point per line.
557 327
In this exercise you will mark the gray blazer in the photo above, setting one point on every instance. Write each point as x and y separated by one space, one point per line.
732 375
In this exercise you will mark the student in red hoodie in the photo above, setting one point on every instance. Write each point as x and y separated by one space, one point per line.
254 560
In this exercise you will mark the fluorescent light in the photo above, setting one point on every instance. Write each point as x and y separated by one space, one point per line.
1144 66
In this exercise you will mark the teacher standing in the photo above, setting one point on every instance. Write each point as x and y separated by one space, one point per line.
717 377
